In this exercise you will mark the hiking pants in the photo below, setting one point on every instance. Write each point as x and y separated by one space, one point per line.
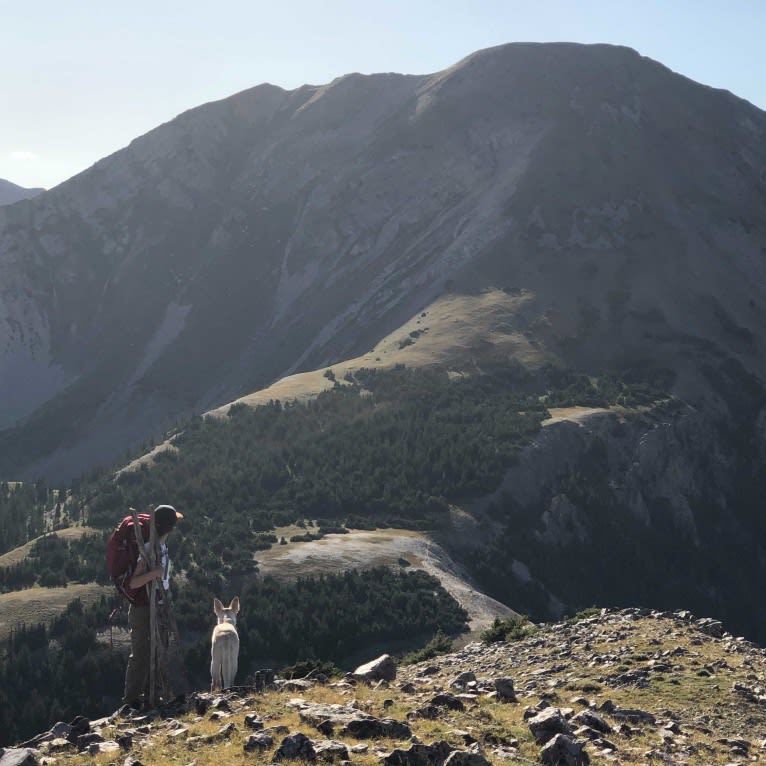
137 674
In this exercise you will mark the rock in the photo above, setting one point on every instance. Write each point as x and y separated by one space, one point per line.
85 740
593 720
564 750
429 712
627 714
430 670
381 669
504 689
60 729
710 627
467 738
96 748
465 758
18 756
547 724
223 733
375 728
419 755
258 742
330 750
295 747
252 721
79 726
448 701
201 703
58 745
222 704
461 681
295 684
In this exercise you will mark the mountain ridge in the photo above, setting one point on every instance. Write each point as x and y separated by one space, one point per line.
389 189
632 684
11 192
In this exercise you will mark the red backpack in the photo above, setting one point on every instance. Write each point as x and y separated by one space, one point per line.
122 554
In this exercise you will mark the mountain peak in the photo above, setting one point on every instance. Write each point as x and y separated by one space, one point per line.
10 192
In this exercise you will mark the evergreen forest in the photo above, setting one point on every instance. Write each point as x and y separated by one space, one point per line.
389 448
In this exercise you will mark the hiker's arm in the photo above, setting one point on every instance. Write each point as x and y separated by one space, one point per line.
141 576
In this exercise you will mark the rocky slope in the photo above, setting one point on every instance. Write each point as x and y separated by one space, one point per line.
624 686
279 231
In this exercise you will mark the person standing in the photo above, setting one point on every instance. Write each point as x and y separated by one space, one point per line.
137 672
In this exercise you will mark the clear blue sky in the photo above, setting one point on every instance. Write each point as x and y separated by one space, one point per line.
79 80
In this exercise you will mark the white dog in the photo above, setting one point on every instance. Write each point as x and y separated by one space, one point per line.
225 651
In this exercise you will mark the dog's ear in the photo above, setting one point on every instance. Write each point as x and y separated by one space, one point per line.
217 607
234 605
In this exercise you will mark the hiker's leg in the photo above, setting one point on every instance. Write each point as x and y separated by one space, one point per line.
137 674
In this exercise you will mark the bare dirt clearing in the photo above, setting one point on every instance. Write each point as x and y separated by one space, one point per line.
362 549
573 414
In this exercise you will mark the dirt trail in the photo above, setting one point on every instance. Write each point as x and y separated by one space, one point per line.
363 549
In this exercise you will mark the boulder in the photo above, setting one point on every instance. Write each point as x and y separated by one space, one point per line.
564 750
96 748
258 742
79 726
295 746
375 728
85 740
254 722
466 758
18 756
461 681
547 724
419 755
330 750
381 669
429 712
710 627
504 689
593 720
447 700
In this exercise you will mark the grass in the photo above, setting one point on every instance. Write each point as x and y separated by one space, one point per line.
576 660
19 554
36 605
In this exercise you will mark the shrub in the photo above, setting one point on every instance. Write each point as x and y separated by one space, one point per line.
510 629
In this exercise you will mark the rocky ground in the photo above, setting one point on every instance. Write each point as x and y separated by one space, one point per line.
628 686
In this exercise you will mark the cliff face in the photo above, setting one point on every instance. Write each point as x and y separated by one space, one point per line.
609 507
276 231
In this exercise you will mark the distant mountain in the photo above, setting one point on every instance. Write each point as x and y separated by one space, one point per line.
10 193
277 231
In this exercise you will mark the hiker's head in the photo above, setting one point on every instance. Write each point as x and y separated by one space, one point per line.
165 517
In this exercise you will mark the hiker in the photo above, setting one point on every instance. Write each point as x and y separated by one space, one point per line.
137 673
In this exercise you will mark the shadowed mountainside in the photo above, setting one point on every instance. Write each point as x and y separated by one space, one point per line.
277 231
10 192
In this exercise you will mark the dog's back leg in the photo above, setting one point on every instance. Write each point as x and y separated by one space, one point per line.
230 662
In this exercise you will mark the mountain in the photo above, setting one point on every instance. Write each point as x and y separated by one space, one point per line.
10 193
279 231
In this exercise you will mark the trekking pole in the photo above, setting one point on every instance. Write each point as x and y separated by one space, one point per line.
152 611
151 590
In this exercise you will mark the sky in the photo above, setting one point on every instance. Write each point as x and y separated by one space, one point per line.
79 80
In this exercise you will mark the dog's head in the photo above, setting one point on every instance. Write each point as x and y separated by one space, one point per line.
226 613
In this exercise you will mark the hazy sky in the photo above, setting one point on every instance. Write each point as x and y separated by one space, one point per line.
79 80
